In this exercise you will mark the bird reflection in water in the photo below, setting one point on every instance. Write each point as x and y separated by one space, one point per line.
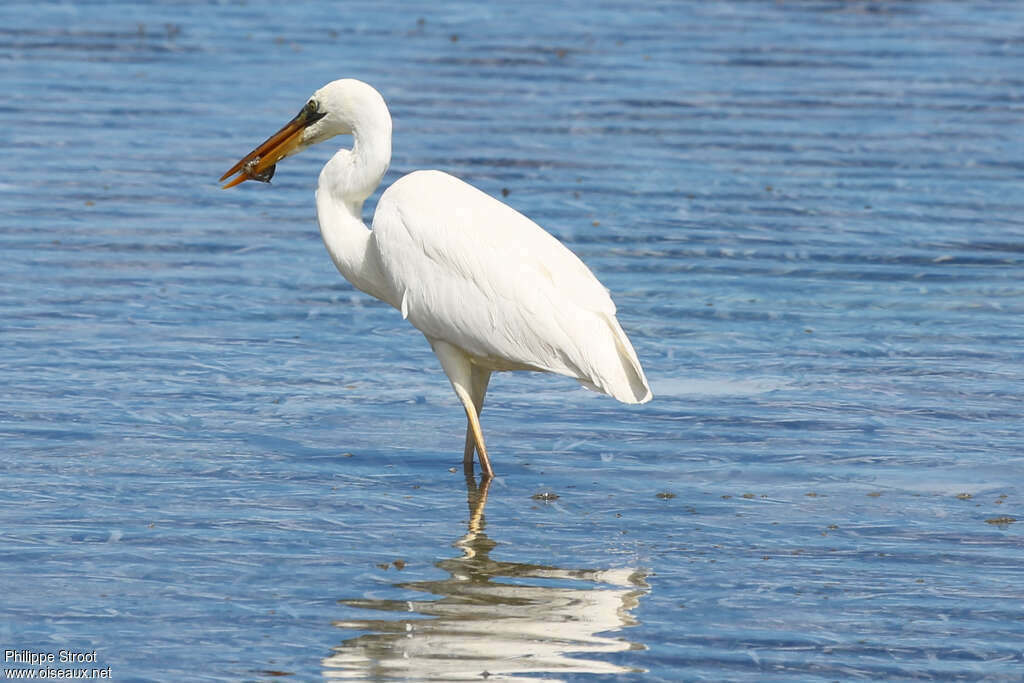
544 620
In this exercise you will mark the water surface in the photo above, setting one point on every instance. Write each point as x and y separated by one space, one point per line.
221 462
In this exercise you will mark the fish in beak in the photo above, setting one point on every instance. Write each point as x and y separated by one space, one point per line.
259 163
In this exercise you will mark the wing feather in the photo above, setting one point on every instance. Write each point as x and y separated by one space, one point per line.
474 272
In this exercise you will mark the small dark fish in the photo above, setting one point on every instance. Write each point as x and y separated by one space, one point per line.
266 175
263 177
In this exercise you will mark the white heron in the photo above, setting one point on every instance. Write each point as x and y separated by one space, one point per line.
487 287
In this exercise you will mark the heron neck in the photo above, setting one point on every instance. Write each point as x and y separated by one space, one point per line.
345 183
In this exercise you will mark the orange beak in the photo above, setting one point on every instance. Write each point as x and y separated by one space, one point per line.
259 163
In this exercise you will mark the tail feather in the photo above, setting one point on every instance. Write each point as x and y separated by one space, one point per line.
615 369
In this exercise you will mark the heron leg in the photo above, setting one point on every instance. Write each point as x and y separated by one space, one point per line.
470 448
479 378
460 373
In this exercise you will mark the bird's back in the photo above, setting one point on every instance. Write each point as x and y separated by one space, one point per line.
472 271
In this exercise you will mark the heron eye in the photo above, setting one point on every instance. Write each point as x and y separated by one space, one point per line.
312 106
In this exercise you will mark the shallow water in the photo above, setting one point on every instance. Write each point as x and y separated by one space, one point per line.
221 462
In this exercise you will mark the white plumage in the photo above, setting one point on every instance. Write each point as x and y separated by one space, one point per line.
488 287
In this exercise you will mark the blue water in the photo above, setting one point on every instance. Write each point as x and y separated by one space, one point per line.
220 462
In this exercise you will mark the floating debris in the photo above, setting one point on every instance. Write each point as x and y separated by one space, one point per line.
1001 521
545 496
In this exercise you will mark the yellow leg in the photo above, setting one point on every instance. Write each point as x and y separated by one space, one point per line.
479 379
470 385
467 453
478 437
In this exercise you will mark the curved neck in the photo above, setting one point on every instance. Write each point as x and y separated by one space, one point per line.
345 183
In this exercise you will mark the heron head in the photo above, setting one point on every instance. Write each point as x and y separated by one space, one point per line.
338 108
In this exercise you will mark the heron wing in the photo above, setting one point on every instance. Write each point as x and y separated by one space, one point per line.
472 271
